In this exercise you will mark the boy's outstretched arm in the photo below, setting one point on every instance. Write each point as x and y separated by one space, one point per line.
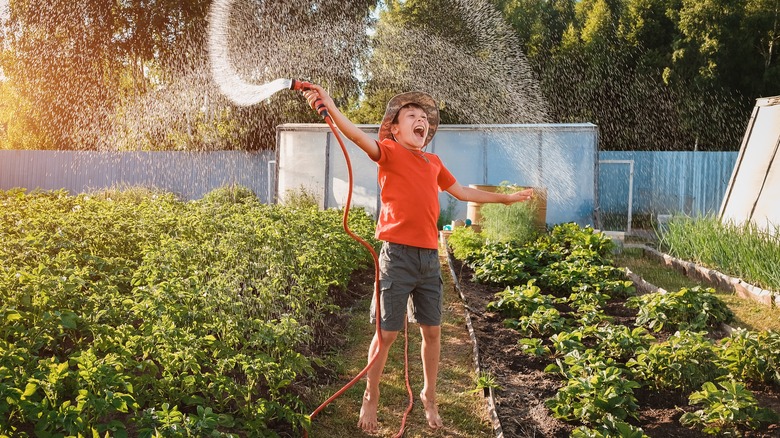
475 195
352 132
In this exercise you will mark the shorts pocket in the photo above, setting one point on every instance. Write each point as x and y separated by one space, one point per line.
386 309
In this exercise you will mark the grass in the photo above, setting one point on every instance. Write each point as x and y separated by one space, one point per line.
749 315
463 411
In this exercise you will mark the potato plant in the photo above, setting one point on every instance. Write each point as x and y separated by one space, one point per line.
133 314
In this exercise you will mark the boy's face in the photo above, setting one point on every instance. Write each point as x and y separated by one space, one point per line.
411 130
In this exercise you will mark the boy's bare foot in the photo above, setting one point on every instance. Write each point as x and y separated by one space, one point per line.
367 420
431 412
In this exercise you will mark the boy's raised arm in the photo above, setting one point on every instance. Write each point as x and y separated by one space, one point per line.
352 132
463 193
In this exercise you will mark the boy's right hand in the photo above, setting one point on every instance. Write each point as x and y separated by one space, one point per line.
364 141
317 92
521 196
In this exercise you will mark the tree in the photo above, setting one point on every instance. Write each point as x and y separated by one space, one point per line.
762 24
134 73
72 63
58 58
462 52
653 74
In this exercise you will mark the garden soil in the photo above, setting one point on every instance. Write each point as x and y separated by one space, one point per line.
524 386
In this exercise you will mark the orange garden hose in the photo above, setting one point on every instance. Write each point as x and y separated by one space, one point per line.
320 108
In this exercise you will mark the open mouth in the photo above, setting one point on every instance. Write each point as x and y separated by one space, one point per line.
419 131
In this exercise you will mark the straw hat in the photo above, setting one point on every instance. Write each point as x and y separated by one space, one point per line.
424 100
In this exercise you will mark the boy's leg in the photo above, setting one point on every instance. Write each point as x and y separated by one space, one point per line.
430 351
368 418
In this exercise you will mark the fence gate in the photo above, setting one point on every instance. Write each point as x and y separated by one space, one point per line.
615 204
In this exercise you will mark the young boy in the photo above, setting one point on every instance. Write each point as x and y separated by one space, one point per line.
409 179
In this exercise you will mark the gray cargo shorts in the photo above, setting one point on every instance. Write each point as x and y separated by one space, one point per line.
409 279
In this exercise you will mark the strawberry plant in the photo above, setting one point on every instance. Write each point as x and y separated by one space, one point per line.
533 346
518 301
609 428
570 239
621 342
725 411
528 311
505 264
580 363
685 361
687 309
562 277
752 356
590 398
568 341
543 321
566 282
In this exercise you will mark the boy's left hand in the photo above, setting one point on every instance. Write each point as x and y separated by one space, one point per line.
522 195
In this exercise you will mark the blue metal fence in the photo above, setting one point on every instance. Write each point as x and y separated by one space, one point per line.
190 175
664 182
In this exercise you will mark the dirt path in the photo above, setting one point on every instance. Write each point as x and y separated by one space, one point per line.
464 412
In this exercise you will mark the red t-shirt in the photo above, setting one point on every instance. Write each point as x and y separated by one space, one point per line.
409 182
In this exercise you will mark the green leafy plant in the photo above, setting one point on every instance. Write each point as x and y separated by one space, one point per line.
565 342
687 309
465 243
752 356
505 264
590 398
609 428
179 318
519 301
684 361
621 342
575 273
544 321
581 363
230 194
486 381
510 223
533 346
569 239
301 198
528 310
726 410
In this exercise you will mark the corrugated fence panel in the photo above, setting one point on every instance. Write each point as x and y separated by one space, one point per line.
188 174
666 182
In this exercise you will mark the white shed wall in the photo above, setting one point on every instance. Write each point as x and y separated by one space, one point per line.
561 158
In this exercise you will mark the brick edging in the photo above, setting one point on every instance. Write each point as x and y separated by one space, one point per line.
715 278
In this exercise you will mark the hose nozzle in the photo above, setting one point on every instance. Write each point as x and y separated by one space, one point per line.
320 107
299 85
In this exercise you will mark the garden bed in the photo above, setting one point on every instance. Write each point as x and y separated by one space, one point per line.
524 386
